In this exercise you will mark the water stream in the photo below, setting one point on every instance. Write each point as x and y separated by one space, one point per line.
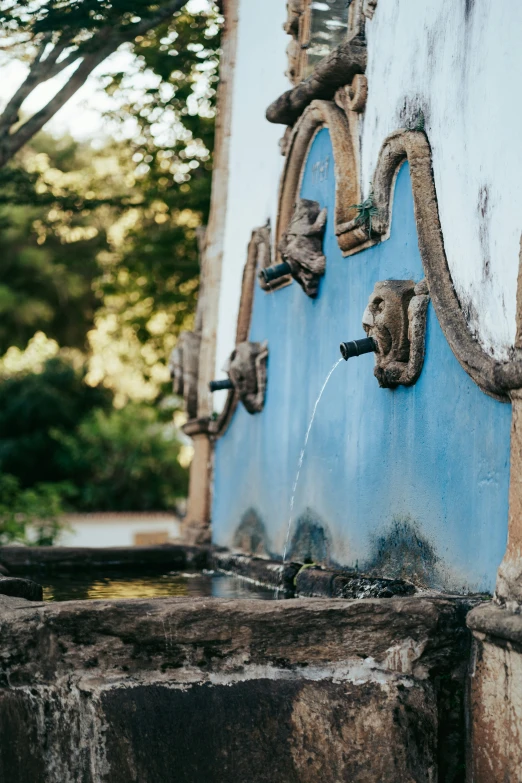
301 456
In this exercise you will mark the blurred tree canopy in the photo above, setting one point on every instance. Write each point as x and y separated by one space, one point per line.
98 249
113 231
52 36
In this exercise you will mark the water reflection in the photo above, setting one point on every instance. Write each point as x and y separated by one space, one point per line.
85 586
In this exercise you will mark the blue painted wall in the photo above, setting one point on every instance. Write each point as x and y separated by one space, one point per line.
412 481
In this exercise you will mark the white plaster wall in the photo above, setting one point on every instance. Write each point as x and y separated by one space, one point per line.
82 531
255 159
461 62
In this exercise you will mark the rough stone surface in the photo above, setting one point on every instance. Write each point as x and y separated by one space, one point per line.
317 582
304 690
40 558
273 573
496 695
21 588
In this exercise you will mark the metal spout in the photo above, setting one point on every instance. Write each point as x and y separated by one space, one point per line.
226 383
271 273
358 347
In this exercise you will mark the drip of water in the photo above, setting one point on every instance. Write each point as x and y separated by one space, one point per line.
301 456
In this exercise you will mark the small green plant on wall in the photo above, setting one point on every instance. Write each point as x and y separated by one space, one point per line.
366 212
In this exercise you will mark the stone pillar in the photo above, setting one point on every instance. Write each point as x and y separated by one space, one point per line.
196 529
509 578
496 673
197 522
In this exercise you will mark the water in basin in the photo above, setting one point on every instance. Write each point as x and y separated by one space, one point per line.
118 584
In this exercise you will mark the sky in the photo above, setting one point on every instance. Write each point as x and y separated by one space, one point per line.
82 115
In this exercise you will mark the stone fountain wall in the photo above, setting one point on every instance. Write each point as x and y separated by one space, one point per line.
149 691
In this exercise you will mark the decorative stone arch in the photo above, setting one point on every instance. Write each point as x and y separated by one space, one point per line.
493 377
318 115
258 255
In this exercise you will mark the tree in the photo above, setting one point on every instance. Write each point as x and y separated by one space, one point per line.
56 35
125 460
50 239
34 409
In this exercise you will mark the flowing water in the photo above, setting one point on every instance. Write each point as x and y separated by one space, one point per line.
301 456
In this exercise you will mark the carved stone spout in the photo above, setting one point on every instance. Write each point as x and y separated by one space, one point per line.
246 369
183 368
301 245
396 320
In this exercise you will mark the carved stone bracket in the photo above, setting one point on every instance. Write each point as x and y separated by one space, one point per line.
395 318
333 71
353 97
183 367
301 245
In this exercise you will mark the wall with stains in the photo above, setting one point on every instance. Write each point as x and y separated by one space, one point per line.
411 482
255 160
459 61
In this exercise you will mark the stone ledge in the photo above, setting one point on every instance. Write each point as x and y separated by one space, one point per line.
496 621
316 582
21 559
20 588
272 573
138 638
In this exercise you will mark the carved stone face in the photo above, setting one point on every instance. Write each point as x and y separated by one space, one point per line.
386 319
301 245
396 319
246 369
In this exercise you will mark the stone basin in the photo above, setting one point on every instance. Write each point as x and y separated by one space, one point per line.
214 690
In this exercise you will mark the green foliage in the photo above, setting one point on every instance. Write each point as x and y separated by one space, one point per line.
35 408
418 123
172 151
31 516
125 460
77 21
55 215
366 212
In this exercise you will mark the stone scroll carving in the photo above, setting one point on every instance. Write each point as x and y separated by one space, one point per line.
246 369
301 245
395 318
183 368
294 17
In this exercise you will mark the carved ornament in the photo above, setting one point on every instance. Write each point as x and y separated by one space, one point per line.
183 368
353 97
302 245
295 10
246 369
333 71
318 115
395 318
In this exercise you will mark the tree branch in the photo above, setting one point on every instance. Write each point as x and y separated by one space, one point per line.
43 69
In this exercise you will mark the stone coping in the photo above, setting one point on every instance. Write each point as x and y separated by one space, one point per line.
499 621
184 638
34 559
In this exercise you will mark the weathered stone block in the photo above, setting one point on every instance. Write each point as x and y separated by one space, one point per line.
271 730
217 690
21 588
496 695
